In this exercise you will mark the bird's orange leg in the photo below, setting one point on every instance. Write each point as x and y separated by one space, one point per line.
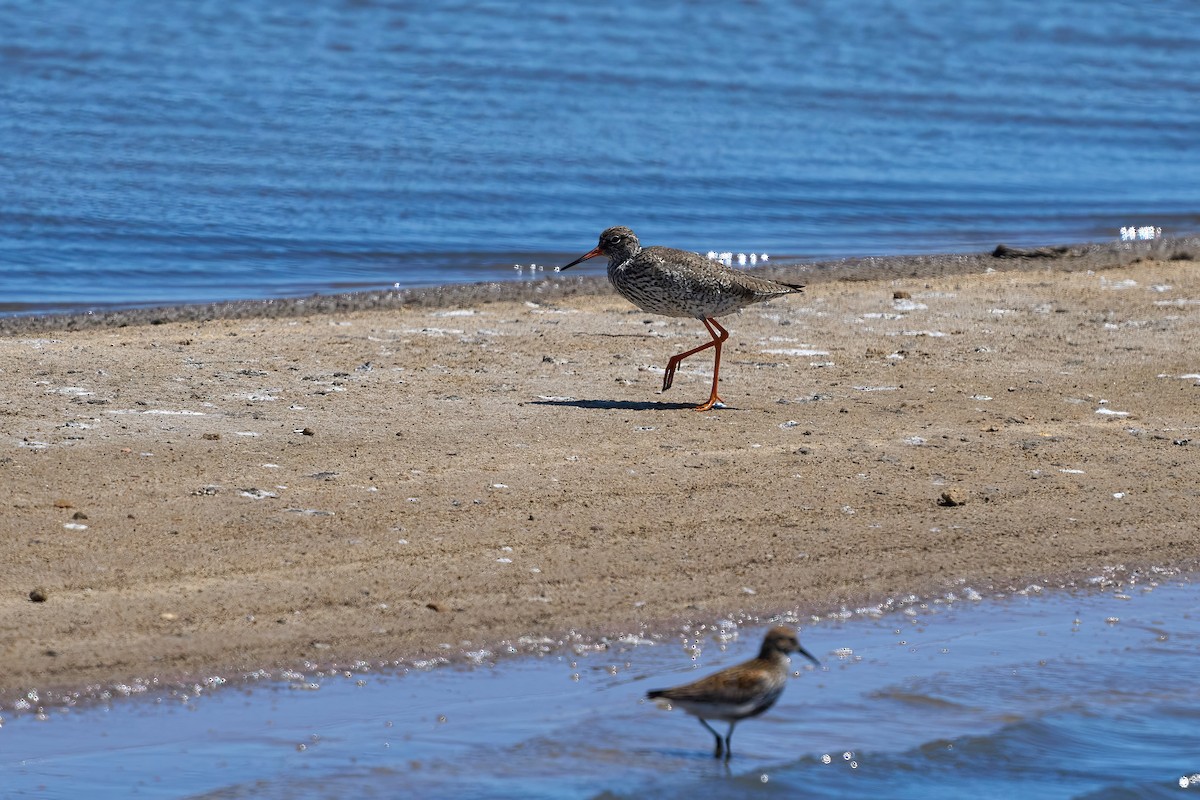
718 336
669 373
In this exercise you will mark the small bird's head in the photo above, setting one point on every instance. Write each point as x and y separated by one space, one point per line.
782 639
617 243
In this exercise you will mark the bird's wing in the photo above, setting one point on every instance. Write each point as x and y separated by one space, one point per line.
693 262
735 686
697 273
750 683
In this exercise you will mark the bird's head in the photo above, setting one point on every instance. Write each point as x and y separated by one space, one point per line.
782 639
617 244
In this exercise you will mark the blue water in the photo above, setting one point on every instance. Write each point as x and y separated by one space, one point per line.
1033 695
180 152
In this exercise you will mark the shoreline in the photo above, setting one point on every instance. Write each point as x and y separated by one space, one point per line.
1088 255
496 653
218 496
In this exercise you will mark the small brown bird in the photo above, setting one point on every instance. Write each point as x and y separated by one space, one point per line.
739 692
676 283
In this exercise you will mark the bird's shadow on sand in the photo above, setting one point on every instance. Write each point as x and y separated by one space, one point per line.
617 405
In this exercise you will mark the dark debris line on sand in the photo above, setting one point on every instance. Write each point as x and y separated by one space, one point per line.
1066 258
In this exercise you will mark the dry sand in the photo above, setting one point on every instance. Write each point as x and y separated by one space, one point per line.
213 497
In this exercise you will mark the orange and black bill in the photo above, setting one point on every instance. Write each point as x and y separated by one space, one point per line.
582 258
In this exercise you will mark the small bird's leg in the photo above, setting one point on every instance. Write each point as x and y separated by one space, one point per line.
719 337
716 736
728 746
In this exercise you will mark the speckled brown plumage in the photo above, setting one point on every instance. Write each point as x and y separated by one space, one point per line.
678 283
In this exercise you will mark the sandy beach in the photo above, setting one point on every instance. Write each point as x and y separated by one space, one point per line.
221 493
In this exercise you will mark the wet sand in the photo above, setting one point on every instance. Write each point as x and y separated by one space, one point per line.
200 491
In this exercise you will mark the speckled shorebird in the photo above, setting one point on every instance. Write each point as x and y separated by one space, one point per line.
676 283
739 692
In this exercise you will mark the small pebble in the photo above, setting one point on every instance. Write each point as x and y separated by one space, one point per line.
952 498
38 595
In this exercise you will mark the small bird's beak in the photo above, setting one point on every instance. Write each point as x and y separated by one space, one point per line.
808 655
584 257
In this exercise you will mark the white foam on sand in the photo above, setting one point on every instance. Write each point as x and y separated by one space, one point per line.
161 411
796 351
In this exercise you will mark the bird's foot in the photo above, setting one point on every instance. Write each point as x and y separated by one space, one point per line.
669 374
713 402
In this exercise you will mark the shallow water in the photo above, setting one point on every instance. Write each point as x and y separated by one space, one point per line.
213 151
1037 694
